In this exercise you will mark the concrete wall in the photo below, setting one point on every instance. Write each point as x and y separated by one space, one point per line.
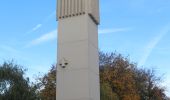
78 44
78 47
69 8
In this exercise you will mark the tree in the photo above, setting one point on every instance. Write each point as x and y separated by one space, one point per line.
118 73
120 79
47 85
107 93
148 85
13 85
123 80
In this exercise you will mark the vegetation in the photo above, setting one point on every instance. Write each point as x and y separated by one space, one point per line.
13 85
47 85
120 79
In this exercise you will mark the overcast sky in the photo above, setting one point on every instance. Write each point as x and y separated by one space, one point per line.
139 29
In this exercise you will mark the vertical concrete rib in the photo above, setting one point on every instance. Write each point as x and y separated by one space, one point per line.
62 14
69 6
89 6
79 9
58 9
75 6
72 7
80 6
65 8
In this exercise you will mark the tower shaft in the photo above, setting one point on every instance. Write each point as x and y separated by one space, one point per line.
77 54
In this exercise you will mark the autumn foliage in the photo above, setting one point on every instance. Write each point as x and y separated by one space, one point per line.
120 79
47 85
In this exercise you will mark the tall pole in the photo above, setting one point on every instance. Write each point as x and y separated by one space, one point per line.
77 53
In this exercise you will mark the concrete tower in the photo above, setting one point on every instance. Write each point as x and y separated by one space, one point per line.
78 64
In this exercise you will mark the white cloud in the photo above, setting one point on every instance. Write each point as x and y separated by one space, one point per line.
53 35
152 44
37 27
114 30
44 38
53 14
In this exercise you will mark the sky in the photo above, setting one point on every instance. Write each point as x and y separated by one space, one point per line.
138 29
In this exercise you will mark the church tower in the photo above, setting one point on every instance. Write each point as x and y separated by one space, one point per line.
77 53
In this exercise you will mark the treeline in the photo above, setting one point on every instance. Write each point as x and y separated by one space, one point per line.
120 79
15 86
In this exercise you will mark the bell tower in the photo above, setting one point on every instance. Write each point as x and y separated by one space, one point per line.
77 52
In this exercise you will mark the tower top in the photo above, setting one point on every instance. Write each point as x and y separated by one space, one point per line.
71 8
